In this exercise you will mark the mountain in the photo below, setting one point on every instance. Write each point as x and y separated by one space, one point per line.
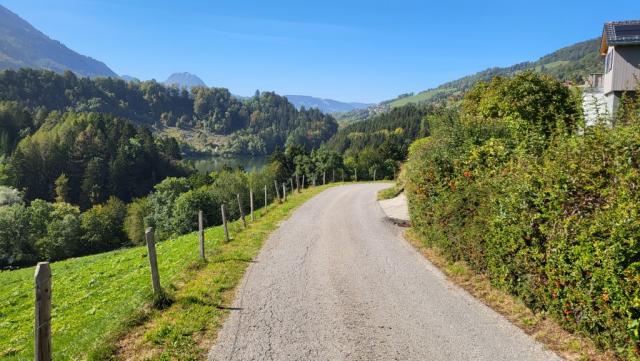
572 63
129 78
184 80
23 46
324 105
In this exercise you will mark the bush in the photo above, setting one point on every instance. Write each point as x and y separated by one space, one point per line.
17 247
9 196
185 211
134 223
558 227
56 228
102 226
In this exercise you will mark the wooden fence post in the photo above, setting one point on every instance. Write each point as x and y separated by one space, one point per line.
284 192
224 223
324 178
251 203
244 222
43 312
265 198
374 174
201 233
275 185
153 261
298 182
292 189
333 176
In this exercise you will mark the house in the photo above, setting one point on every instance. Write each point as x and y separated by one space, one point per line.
620 45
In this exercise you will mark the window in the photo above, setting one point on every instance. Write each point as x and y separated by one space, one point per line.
608 62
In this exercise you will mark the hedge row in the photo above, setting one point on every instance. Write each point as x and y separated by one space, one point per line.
549 213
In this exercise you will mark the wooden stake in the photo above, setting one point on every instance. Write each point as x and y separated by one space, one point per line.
251 203
244 222
275 185
333 176
153 261
201 233
224 223
43 312
374 174
284 192
324 178
265 198
292 189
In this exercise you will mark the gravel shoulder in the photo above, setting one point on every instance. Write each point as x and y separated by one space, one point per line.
338 282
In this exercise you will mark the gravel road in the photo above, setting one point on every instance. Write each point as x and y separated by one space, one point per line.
338 282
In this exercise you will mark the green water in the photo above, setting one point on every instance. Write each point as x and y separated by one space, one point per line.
208 164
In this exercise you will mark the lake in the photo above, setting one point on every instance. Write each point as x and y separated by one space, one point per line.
208 164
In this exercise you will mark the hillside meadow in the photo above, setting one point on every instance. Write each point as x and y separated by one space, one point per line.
97 298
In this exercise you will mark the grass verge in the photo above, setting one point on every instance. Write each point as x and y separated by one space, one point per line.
101 303
541 328
389 193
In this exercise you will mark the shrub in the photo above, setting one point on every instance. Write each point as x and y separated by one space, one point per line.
102 226
134 223
9 196
558 227
61 236
187 205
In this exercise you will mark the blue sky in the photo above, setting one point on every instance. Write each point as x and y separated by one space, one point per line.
346 50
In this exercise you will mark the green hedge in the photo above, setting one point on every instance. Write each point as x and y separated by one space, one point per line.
552 217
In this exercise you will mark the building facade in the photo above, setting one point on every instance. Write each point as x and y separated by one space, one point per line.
620 46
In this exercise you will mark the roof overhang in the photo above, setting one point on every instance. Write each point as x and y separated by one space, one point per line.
620 33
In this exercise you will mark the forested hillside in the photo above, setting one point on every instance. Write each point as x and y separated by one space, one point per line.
380 143
258 125
573 63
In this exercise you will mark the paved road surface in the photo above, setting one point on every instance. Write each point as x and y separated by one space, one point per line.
338 282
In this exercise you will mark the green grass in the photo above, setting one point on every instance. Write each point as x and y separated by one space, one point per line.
422 96
390 192
96 299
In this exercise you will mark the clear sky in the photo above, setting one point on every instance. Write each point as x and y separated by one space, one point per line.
346 50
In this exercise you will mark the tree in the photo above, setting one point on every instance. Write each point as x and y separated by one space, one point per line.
62 189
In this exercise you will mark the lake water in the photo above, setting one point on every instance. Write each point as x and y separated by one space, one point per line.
208 164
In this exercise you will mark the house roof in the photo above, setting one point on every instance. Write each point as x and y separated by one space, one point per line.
620 33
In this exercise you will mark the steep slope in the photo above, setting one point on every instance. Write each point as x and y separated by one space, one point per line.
572 63
325 105
23 46
184 80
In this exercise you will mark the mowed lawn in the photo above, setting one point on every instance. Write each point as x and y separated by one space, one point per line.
94 296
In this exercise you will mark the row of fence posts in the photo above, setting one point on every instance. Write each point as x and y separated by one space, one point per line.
43 276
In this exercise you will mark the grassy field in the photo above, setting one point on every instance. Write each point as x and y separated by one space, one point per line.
421 97
100 301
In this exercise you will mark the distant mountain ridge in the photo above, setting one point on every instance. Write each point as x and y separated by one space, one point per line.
184 80
23 46
572 63
324 105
